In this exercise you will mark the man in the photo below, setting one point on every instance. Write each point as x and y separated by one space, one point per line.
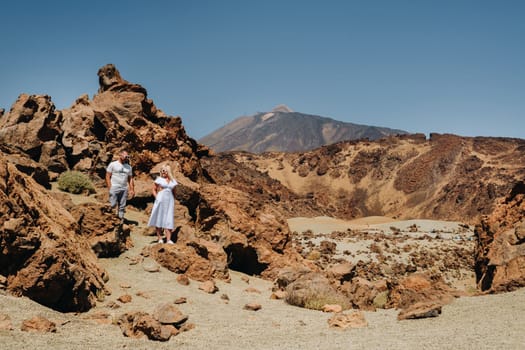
119 178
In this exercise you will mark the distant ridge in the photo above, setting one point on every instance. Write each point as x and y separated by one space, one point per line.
284 130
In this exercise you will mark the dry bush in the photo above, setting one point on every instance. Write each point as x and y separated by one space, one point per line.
75 182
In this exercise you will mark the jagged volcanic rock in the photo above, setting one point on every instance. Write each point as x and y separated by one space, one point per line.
41 253
500 255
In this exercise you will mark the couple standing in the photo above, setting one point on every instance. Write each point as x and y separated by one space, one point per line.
119 177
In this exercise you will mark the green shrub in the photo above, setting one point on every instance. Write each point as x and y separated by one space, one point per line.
75 182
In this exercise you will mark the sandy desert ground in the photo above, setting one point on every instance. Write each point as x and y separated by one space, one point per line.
481 322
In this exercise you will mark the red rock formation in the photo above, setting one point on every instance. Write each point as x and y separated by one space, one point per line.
500 255
42 254
34 127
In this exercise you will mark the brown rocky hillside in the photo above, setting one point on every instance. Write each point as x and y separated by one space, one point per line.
444 177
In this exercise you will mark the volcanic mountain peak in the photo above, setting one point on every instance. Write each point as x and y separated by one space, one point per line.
283 130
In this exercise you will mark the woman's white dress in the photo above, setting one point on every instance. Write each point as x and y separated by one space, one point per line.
163 212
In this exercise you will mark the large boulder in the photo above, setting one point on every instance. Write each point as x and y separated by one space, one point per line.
41 253
102 229
254 234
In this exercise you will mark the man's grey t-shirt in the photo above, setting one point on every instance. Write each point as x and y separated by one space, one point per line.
119 174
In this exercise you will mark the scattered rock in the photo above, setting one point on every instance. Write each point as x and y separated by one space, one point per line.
169 314
252 290
140 324
124 299
252 306
135 260
278 295
335 308
420 310
112 305
100 317
245 279
209 287
38 324
150 266
181 300
183 279
166 322
344 321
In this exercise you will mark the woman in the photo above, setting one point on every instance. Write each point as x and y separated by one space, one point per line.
164 207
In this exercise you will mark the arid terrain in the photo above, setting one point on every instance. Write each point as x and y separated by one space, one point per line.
469 322
403 242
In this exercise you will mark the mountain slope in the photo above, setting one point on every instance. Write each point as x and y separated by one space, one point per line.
287 131
445 177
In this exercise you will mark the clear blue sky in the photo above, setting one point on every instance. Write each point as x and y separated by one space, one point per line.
446 66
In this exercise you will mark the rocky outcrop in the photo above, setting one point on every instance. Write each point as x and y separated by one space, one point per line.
500 254
86 136
42 255
252 235
34 127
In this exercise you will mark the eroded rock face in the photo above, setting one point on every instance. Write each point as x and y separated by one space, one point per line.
500 255
34 127
105 233
41 254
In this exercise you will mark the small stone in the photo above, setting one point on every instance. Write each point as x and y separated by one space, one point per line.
209 287
420 310
335 308
344 321
183 279
38 324
181 300
278 295
124 299
150 266
252 306
112 305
